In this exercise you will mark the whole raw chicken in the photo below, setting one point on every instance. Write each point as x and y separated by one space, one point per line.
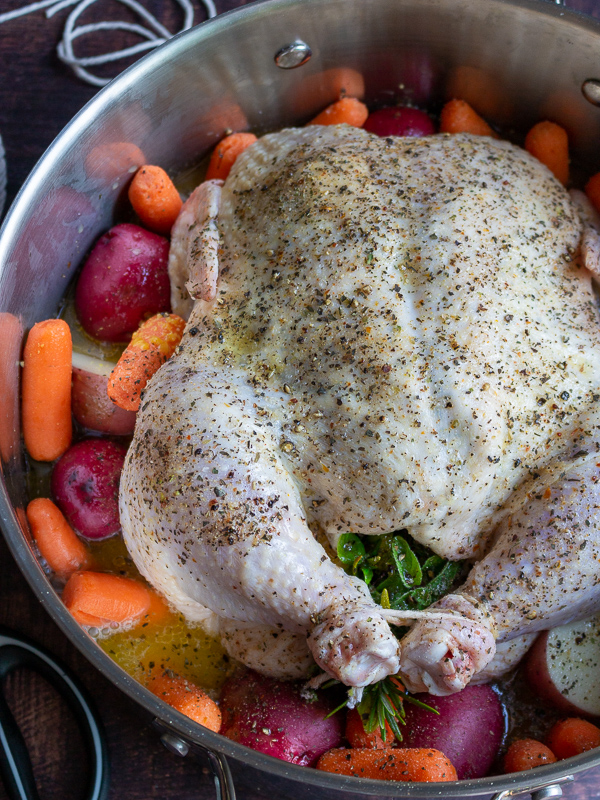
386 334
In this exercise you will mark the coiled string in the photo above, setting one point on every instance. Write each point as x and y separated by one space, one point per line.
153 33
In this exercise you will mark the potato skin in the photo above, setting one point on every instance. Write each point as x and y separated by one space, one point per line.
399 121
567 659
469 729
124 281
93 408
538 676
85 486
271 716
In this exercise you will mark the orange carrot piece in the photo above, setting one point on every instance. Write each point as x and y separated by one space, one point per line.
527 754
572 736
187 698
347 110
46 390
151 345
417 764
592 190
225 153
549 143
154 198
57 541
357 736
458 117
98 598
158 611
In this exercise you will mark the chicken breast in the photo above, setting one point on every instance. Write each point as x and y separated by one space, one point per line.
401 336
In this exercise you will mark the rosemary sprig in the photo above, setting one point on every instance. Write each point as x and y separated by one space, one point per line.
381 703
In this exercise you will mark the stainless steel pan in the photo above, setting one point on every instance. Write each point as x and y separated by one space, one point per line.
271 64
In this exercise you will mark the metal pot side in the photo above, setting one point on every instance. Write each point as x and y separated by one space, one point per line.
517 61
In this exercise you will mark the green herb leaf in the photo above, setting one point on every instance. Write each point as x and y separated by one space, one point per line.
443 581
349 548
393 723
415 702
422 597
407 564
367 574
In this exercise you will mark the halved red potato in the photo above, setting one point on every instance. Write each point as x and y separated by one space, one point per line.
90 403
562 667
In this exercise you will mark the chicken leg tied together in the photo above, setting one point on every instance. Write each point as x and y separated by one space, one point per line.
239 544
541 572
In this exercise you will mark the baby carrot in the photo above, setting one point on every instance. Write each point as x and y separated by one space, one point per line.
572 736
46 390
98 598
527 754
57 541
154 198
151 345
458 117
158 611
357 736
592 189
549 143
225 153
400 764
187 698
348 110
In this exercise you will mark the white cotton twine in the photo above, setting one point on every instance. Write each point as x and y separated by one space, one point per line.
154 33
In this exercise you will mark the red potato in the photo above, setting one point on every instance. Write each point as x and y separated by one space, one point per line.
271 716
124 281
90 403
468 730
562 667
85 485
399 121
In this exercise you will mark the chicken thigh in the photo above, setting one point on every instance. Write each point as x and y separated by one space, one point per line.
386 334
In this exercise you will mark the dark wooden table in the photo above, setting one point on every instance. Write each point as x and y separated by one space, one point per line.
38 96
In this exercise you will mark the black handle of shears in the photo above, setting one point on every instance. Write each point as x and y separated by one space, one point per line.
15 764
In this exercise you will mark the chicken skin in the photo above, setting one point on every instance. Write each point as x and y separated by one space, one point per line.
383 334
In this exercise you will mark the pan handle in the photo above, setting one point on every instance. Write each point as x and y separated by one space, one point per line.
224 787
222 774
548 791
15 765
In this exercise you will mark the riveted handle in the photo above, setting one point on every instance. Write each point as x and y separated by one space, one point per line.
548 791
179 746
222 775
